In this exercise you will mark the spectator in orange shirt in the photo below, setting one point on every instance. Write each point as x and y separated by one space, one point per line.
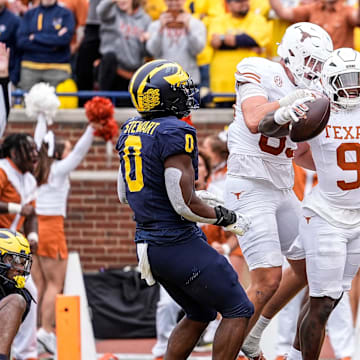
335 16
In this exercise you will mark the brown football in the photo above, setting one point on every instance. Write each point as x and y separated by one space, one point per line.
313 123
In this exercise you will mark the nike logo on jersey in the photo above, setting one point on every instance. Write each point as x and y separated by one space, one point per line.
237 194
342 132
307 218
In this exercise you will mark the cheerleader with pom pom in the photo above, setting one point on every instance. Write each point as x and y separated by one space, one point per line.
57 160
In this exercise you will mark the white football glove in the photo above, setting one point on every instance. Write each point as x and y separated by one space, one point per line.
241 226
295 95
294 112
209 198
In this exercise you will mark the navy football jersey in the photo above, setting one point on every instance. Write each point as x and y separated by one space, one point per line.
143 147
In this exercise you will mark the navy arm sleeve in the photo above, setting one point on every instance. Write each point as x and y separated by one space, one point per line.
242 40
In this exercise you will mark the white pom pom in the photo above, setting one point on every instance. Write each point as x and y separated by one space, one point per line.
41 99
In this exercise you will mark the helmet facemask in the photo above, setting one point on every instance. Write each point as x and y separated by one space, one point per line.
346 89
311 72
185 100
304 49
305 69
21 263
341 78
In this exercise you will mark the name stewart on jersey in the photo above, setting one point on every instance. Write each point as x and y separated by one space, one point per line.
144 145
145 127
342 132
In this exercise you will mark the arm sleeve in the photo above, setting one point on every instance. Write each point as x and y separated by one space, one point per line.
245 40
247 72
81 148
106 10
242 41
249 90
153 45
5 92
121 187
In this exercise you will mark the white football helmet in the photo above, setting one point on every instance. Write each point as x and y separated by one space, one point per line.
304 49
341 77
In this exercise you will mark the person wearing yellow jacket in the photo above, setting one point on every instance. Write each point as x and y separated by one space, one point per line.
235 35
205 10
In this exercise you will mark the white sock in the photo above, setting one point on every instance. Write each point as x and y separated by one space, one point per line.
251 345
294 354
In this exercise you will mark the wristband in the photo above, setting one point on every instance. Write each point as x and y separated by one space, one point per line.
33 236
226 248
14 208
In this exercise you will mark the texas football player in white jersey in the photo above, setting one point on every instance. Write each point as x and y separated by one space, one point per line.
329 227
260 174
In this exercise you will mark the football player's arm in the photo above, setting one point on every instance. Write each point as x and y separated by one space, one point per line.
269 127
261 115
285 13
303 156
31 226
257 108
180 187
121 188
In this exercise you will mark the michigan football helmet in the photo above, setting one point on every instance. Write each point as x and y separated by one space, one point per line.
341 77
162 87
15 255
304 48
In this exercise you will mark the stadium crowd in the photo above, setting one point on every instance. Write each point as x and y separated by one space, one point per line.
93 46
99 45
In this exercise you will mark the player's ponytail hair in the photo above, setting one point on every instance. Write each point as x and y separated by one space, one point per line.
42 171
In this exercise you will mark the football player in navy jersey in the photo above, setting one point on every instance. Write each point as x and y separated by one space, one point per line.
15 300
158 167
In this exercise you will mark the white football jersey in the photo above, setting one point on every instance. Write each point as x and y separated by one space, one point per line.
336 153
256 155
